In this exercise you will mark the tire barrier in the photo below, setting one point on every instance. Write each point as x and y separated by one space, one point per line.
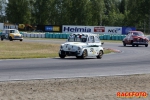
112 37
65 36
33 35
57 35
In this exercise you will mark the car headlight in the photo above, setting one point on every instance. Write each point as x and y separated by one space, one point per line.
79 48
61 47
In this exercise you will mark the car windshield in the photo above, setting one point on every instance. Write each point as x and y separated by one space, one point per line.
138 34
77 38
14 31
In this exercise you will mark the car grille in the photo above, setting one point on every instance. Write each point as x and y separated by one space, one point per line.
140 40
69 53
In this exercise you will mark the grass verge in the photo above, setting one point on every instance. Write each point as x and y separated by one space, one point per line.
22 50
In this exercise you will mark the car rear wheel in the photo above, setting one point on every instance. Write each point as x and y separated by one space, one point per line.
146 45
21 40
100 54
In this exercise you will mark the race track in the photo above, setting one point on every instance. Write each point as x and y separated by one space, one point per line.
131 60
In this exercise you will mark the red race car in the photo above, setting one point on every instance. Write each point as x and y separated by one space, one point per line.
135 38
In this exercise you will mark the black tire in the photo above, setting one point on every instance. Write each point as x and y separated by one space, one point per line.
10 38
21 40
124 44
84 54
100 54
132 43
1 39
62 56
137 45
146 45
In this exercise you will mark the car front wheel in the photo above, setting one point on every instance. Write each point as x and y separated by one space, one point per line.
146 45
1 39
10 38
62 56
100 54
124 44
78 57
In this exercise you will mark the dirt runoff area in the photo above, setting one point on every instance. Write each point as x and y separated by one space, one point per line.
131 87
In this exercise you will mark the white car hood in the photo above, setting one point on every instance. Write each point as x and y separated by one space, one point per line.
75 43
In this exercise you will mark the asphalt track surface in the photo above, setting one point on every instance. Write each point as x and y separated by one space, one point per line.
131 60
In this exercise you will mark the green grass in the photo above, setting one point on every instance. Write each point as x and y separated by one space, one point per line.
22 50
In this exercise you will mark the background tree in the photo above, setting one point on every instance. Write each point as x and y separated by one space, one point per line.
1 12
97 9
18 11
41 11
134 13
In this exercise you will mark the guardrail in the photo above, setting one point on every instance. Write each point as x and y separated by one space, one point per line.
65 36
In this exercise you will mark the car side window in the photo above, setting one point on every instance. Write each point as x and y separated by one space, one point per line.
97 39
129 34
91 39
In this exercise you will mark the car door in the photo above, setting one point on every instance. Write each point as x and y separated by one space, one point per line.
97 44
92 47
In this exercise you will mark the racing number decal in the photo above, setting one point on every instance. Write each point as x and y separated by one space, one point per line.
91 49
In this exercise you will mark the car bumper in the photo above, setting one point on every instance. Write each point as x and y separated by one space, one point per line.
17 38
69 53
140 43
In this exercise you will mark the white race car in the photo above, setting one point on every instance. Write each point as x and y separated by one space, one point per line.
82 45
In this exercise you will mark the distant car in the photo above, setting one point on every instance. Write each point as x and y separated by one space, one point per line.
135 38
11 34
82 45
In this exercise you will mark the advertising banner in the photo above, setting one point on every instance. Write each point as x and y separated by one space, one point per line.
49 28
91 29
74 29
125 30
99 29
113 30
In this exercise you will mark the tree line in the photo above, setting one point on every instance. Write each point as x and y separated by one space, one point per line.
134 13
